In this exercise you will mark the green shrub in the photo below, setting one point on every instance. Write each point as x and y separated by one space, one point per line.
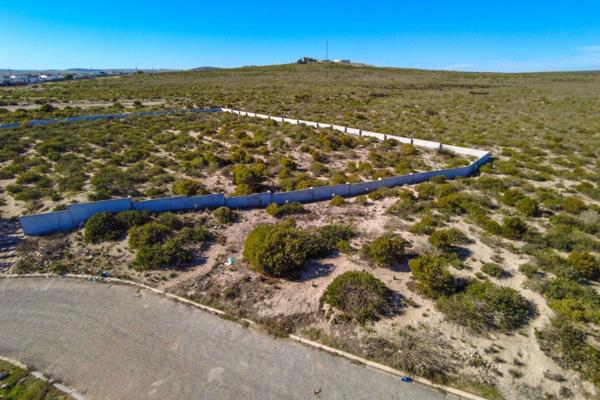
529 270
571 300
329 238
362 200
573 205
447 239
381 193
433 277
278 250
569 347
512 196
170 220
359 295
188 187
527 206
130 218
195 235
225 215
494 270
101 227
278 211
513 228
485 306
248 179
169 254
385 250
338 201
149 234
425 226
586 264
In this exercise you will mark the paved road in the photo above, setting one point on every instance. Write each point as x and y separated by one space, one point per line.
111 342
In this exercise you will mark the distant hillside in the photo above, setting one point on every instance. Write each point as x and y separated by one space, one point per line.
81 71
204 68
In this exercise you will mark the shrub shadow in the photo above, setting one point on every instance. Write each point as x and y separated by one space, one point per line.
314 269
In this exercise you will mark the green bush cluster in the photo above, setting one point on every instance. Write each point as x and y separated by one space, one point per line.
105 226
167 254
479 306
337 201
281 249
494 270
188 187
572 300
225 215
433 278
385 250
485 306
568 345
287 209
278 250
359 296
448 239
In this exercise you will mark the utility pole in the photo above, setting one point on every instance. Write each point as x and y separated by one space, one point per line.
327 49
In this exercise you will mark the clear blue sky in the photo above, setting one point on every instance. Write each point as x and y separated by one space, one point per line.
525 35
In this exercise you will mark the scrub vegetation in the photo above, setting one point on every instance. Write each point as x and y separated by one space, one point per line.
489 283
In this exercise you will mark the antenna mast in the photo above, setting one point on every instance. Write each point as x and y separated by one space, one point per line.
327 49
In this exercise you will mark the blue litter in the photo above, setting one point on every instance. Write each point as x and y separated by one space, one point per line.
407 379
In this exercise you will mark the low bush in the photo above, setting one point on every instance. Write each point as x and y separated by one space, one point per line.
494 270
434 279
278 250
170 220
338 201
513 228
188 187
169 254
447 239
148 234
568 346
425 226
131 218
530 270
586 264
331 237
485 306
195 235
573 205
359 295
572 300
225 215
528 207
285 210
102 226
385 250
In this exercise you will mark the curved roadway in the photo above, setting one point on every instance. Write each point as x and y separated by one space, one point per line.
115 342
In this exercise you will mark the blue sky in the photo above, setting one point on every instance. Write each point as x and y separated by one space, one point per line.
490 35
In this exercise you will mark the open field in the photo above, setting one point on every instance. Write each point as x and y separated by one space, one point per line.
488 283
17 384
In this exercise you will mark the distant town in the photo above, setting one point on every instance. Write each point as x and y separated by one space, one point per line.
9 78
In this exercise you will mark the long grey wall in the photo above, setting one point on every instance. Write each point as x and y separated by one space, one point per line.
76 214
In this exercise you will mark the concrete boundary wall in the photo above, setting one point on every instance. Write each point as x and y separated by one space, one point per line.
76 214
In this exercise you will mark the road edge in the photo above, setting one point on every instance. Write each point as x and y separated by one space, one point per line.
306 342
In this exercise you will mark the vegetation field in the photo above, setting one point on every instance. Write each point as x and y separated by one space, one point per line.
488 283
17 384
